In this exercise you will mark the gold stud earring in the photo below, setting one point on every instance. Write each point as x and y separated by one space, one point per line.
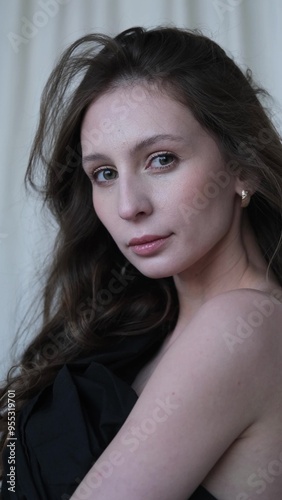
246 198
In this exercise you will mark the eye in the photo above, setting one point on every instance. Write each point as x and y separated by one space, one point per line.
104 174
163 160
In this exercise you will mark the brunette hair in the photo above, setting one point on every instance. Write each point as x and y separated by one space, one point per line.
81 311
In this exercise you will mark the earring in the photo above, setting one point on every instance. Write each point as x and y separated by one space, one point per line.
246 198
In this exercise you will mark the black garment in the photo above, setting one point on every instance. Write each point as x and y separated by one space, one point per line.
64 429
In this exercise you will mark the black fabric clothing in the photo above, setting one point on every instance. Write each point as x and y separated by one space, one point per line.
64 429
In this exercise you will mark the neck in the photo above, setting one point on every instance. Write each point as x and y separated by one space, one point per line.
235 262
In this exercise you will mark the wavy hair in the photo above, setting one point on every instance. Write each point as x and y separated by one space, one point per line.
92 294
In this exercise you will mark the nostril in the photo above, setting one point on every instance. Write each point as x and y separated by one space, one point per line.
130 214
134 207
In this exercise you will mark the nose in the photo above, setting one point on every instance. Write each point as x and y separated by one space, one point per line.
133 199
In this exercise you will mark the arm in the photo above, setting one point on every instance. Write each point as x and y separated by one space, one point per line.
196 403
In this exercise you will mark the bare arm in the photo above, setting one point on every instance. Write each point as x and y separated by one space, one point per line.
194 406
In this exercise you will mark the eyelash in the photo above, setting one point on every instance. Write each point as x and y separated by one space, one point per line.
164 153
96 171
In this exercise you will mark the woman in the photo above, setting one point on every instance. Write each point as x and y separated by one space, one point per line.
157 372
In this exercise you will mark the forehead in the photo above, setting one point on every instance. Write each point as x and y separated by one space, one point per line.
135 110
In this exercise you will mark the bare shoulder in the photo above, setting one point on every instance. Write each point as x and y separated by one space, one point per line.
244 299
241 315
201 404
240 331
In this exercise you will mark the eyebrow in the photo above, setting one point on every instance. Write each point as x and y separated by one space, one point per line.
149 141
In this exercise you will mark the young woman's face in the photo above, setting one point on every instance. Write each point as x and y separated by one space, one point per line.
160 186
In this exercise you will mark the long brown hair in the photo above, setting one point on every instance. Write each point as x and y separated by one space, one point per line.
83 308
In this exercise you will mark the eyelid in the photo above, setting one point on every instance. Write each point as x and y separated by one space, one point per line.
153 156
102 167
94 172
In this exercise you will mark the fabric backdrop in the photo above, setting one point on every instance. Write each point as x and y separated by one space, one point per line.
33 34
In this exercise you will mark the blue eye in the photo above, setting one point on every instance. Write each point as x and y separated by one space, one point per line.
163 160
104 174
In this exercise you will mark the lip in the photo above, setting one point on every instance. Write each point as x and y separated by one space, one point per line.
146 239
147 244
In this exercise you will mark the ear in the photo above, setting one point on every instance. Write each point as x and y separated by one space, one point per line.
246 182
245 187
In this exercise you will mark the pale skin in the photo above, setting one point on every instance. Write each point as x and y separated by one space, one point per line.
210 402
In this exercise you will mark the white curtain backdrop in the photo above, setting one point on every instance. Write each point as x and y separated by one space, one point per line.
33 34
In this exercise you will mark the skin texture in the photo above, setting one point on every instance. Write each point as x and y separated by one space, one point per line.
210 402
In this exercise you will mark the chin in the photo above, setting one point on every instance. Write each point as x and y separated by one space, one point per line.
155 272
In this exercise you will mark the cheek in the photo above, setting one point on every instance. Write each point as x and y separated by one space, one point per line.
100 209
205 207
213 192
105 213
